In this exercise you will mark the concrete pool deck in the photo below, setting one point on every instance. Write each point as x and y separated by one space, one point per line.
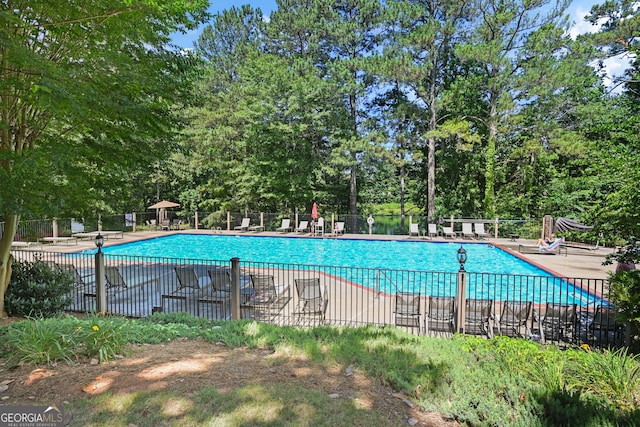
578 263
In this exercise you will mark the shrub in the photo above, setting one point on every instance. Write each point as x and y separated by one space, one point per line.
37 290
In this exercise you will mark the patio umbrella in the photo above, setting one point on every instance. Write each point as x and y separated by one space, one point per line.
161 206
314 211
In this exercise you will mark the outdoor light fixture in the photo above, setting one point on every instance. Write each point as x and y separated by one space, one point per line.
99 241
462 257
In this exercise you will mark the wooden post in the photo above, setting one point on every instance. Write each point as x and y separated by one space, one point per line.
228 221
134 219
195 220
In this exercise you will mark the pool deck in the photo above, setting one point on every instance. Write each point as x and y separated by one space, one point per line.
578 263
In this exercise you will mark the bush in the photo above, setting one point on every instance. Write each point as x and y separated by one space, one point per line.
37 290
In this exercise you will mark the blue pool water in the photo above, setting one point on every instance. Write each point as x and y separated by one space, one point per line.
377 254
500 275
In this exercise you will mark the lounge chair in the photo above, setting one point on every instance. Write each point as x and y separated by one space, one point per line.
432 230
114 278
188 284
302 227
479 317
557 246
448 232
558 323
515 317
285 226
441 314
312 298
220 289
244 226
407 312
176 224
69 269
467 230
479 230
553 247
267 298
338 228
604 325
256 228
165 224
414 229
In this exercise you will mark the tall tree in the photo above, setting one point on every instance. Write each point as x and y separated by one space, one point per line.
499 32
83 85
419 55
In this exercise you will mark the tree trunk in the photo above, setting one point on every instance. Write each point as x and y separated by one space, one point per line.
10 227
489 174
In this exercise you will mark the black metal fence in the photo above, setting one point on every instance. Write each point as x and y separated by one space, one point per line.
548 309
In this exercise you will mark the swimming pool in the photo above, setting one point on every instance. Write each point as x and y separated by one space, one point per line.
428 267
376 254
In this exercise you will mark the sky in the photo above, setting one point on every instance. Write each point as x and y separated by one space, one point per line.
577 11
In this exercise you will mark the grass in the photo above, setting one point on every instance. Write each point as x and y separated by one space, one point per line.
480 382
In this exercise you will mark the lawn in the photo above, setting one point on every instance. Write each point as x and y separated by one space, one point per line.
179 370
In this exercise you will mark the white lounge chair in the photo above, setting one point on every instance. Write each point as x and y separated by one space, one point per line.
432 230
302 227
244 226
467 230
414 229
338 228
285 226
448 232
479 230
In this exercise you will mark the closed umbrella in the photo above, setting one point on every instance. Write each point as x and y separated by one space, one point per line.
314 211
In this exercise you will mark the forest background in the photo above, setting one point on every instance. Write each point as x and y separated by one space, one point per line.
469 108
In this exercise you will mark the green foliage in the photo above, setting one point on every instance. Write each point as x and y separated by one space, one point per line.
502 381
37 290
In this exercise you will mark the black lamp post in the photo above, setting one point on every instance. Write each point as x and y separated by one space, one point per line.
99 241
462 257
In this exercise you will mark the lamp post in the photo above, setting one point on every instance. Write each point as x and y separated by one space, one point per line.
101 295
462 290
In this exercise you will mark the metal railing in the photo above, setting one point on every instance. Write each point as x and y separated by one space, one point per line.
140 286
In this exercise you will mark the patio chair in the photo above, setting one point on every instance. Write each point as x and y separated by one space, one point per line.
448 232
478 317
220 289
244 226
285 226
319 227
267 298
407 311
515 317
441 314
605 326
414 229
165 224
479 230
338 229
313 299
467 230
432 230
558 323
176 224
114 279
302 227
188 282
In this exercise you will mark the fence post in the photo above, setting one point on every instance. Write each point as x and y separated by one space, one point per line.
228 221
495 228
262 220
55 227
101 295
196 220
134 218
99 222
235 288
462 301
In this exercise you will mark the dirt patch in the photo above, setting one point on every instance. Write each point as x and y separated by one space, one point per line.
190 365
